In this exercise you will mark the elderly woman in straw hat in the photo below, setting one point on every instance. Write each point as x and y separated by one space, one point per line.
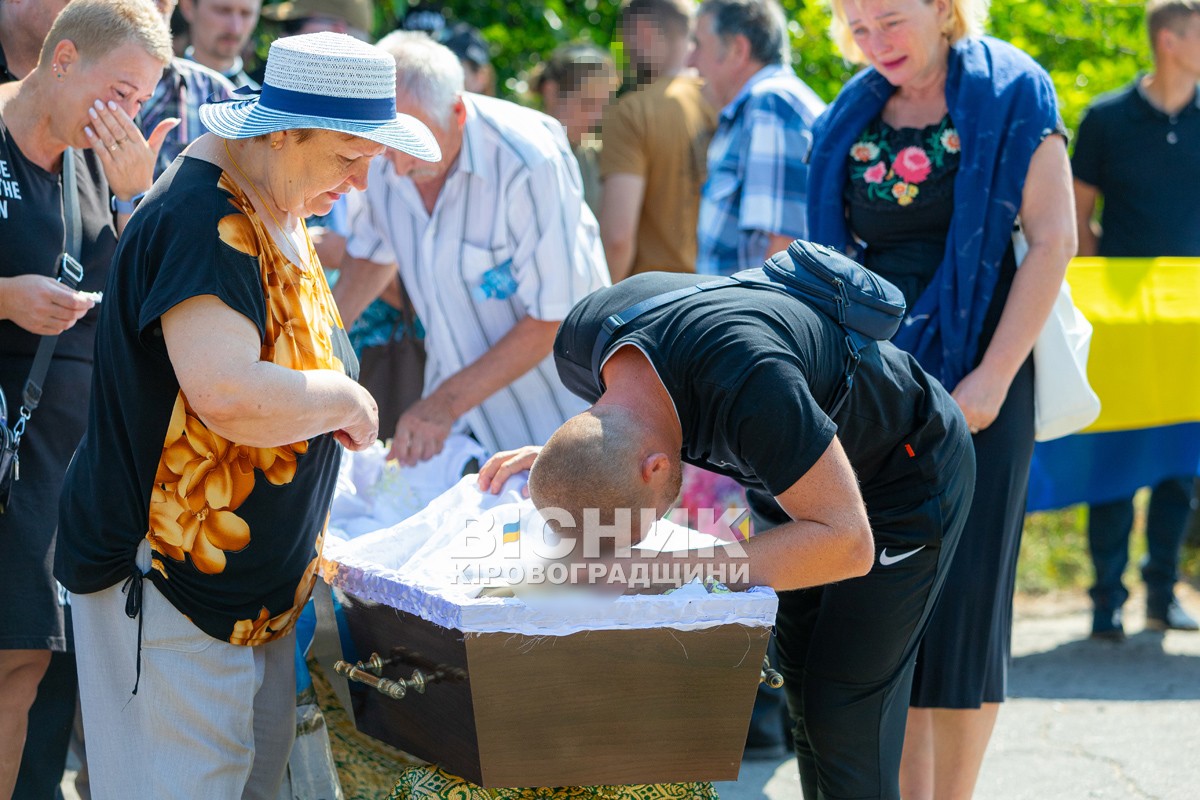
192 515
66 126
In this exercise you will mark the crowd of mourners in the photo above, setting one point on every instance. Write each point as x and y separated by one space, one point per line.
198 250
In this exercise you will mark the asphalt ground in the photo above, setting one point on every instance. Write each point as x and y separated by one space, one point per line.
1085 719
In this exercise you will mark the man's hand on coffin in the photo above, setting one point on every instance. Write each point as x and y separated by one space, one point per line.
503 465
421 431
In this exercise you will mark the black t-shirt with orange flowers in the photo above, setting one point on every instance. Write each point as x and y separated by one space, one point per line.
235 530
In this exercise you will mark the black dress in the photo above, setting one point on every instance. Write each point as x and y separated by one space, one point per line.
900 199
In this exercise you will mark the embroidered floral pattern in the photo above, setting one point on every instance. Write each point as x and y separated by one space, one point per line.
895 175
912 164
864 151
202 478
950 141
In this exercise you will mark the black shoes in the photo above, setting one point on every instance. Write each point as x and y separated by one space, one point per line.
1106 622
1106 625
1172 617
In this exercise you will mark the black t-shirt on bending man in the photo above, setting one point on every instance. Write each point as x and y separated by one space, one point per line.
751 370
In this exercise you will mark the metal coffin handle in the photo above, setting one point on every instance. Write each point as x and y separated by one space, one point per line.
770 676
371 672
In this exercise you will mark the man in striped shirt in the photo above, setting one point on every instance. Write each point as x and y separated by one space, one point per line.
753 203
494 245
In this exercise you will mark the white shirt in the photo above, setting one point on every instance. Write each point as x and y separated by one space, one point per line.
509 237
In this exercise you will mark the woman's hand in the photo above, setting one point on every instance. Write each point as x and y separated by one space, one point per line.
127 157
502 466
980 395
421 431
364 431
41 305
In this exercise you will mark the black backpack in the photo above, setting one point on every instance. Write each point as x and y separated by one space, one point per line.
868 308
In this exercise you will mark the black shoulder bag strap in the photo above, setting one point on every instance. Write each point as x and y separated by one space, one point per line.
70 274
615 322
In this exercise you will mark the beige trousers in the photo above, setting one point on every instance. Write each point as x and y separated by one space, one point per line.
210 719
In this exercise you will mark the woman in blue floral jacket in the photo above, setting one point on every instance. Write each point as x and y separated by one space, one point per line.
920 168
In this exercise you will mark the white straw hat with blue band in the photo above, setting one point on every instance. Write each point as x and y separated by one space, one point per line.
324 80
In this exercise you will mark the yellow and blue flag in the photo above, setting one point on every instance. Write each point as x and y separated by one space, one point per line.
511 532
1145 366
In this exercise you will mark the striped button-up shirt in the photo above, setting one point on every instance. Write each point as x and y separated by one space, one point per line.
183 88
756 172
509 238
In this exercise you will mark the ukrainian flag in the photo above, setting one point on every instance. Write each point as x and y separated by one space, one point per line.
511 532
1144 365
743 527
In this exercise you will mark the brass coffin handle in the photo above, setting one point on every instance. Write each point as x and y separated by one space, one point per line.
370 674
769 676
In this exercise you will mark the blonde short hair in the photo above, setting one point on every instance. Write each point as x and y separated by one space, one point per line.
967 18
97 27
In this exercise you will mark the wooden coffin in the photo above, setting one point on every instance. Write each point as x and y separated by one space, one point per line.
656 705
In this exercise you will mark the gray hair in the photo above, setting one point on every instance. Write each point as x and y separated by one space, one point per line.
427 73
761 21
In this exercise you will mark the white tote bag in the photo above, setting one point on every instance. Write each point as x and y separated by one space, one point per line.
1063 399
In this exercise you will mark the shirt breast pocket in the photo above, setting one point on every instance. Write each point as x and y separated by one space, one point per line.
489 275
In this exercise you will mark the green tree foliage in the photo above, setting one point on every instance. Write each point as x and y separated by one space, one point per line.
1088 46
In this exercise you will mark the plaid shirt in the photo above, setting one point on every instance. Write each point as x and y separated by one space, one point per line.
756 171
184 86
237 75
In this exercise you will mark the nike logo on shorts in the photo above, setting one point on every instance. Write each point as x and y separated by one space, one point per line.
886 561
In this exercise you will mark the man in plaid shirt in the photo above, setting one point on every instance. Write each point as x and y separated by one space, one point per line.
183 87
753 203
